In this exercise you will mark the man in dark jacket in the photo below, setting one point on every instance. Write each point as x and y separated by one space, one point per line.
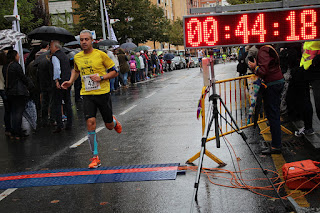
45 76
268 68
61 73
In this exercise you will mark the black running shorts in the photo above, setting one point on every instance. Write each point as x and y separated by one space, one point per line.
102 102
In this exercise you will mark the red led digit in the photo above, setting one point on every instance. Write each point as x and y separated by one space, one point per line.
258 28
243 24
313 15
210 31
292 19
194 32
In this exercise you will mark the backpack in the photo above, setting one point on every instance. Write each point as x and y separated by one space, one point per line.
132 65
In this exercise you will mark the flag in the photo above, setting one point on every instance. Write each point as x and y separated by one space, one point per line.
111 33
113 37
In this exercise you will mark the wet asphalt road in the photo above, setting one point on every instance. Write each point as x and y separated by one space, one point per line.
159 126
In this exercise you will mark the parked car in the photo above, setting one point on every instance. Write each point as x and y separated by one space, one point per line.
168 66
180 62
195 61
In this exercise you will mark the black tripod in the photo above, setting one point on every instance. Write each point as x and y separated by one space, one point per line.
214 99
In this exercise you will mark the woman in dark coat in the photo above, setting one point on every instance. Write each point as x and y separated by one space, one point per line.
124 67
16 84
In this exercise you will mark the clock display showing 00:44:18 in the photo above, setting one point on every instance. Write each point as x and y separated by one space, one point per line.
252 28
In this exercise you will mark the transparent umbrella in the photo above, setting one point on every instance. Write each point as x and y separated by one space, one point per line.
128 46
9 38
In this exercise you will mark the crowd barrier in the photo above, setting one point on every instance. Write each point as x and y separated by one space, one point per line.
237 95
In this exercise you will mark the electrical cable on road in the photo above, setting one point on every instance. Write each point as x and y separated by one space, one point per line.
240 183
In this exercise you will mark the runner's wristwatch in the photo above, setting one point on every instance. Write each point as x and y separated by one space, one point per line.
101 77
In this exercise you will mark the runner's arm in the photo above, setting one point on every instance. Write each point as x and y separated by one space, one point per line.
111 73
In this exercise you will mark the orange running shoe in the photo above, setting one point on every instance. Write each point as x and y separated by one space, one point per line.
95 163
118 127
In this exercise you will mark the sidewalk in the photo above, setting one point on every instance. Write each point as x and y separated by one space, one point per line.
297 149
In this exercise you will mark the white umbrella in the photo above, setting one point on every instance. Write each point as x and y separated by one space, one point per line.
9 38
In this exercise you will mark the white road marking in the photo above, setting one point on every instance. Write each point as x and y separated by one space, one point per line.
127 110
150 95
82 140
6 193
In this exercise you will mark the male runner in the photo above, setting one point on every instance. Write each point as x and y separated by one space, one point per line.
95 69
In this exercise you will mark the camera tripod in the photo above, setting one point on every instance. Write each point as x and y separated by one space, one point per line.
214 97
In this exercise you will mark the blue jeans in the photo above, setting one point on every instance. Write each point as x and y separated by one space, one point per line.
112 80
272 99
6 118
124 78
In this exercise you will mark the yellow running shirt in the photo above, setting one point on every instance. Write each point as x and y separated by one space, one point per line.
94 63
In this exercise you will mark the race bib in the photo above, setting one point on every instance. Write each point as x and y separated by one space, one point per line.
90 84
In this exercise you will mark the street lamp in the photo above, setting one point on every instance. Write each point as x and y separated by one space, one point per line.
12 18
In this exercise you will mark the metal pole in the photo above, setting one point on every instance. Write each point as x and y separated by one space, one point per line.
21 60
107 19
102 22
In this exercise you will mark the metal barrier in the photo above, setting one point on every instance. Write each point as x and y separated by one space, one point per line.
235 94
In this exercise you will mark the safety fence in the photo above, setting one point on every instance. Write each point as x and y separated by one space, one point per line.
239 96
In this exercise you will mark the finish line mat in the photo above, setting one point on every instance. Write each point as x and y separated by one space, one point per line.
86 176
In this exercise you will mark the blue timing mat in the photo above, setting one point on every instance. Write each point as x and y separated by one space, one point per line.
86 176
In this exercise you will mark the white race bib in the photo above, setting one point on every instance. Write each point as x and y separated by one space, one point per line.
90 84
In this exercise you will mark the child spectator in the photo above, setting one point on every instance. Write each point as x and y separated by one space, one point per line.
133 69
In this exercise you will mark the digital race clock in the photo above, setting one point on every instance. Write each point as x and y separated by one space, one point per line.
264 26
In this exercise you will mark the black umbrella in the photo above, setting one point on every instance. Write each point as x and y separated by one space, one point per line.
128 46
72 43
168 56
49 33
107 42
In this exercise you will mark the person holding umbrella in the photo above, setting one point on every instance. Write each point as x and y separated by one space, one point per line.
96 69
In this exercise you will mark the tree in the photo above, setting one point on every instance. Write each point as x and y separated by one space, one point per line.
90 17
158 29
139 19
233 2
176 32
26 9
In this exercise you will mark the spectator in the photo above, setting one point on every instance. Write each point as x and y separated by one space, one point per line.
310 73
133 69
114 82
154 62
267 67
136 58
6 118
45 76
16 89
61 73
142 60
124 67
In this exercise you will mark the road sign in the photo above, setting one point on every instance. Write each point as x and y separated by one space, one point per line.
254 27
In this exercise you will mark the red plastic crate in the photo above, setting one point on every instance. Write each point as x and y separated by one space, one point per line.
298 173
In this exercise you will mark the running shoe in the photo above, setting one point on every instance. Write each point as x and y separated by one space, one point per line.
95 163
301 132
64 118
118 126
